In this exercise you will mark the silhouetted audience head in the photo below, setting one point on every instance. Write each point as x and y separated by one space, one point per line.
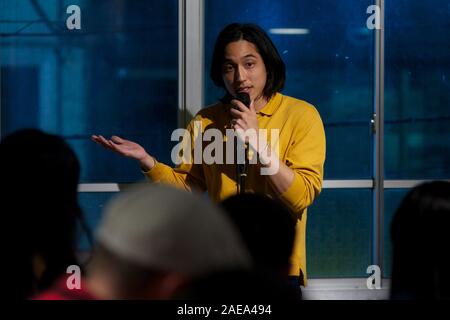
421 243
41 173
267 227
154 239
239 285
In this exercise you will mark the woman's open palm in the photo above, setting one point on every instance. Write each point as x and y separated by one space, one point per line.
123 147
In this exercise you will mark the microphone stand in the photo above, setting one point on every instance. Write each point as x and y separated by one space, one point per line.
242 169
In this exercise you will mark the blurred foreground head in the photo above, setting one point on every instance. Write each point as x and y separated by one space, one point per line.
155 238
267 227
268 230
421 242
40 173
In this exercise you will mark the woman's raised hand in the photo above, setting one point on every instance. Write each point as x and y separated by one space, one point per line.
126 148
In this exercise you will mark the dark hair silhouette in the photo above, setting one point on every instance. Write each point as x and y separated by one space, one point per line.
421 242
41 174
238 285
276 70
267 227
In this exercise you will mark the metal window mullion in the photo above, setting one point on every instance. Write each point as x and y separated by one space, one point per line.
405 184
348 184
327 184
378 216
181 62
98 187
190 59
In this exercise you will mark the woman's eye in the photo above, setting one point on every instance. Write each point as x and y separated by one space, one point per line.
250 64
228 68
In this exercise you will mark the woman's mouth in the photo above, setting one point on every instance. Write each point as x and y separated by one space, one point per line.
243 89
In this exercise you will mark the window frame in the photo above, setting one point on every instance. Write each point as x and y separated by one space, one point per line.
191 98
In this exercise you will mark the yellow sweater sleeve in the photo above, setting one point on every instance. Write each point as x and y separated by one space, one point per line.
187 175
306 158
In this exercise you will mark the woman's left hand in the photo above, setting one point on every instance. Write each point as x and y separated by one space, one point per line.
243 118
245 122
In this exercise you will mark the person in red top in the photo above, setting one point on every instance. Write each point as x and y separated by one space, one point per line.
61 291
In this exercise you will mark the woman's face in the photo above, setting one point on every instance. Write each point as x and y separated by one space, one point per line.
243 70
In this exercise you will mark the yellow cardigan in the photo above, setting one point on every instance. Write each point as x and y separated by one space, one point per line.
301 147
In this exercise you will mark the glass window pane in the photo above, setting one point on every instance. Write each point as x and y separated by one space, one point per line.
92 204
417 92
117 75
330 64
339 231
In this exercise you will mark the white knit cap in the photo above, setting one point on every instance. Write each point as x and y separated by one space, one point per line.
171 230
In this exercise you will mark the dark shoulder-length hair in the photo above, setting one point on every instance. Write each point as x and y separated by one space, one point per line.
41 172
420 242
276 70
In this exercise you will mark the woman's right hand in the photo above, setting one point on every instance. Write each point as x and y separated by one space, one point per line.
128 149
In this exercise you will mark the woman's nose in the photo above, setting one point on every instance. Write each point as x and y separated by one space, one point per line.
241 74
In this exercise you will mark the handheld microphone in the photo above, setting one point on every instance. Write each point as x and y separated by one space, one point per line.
244 98
242 168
